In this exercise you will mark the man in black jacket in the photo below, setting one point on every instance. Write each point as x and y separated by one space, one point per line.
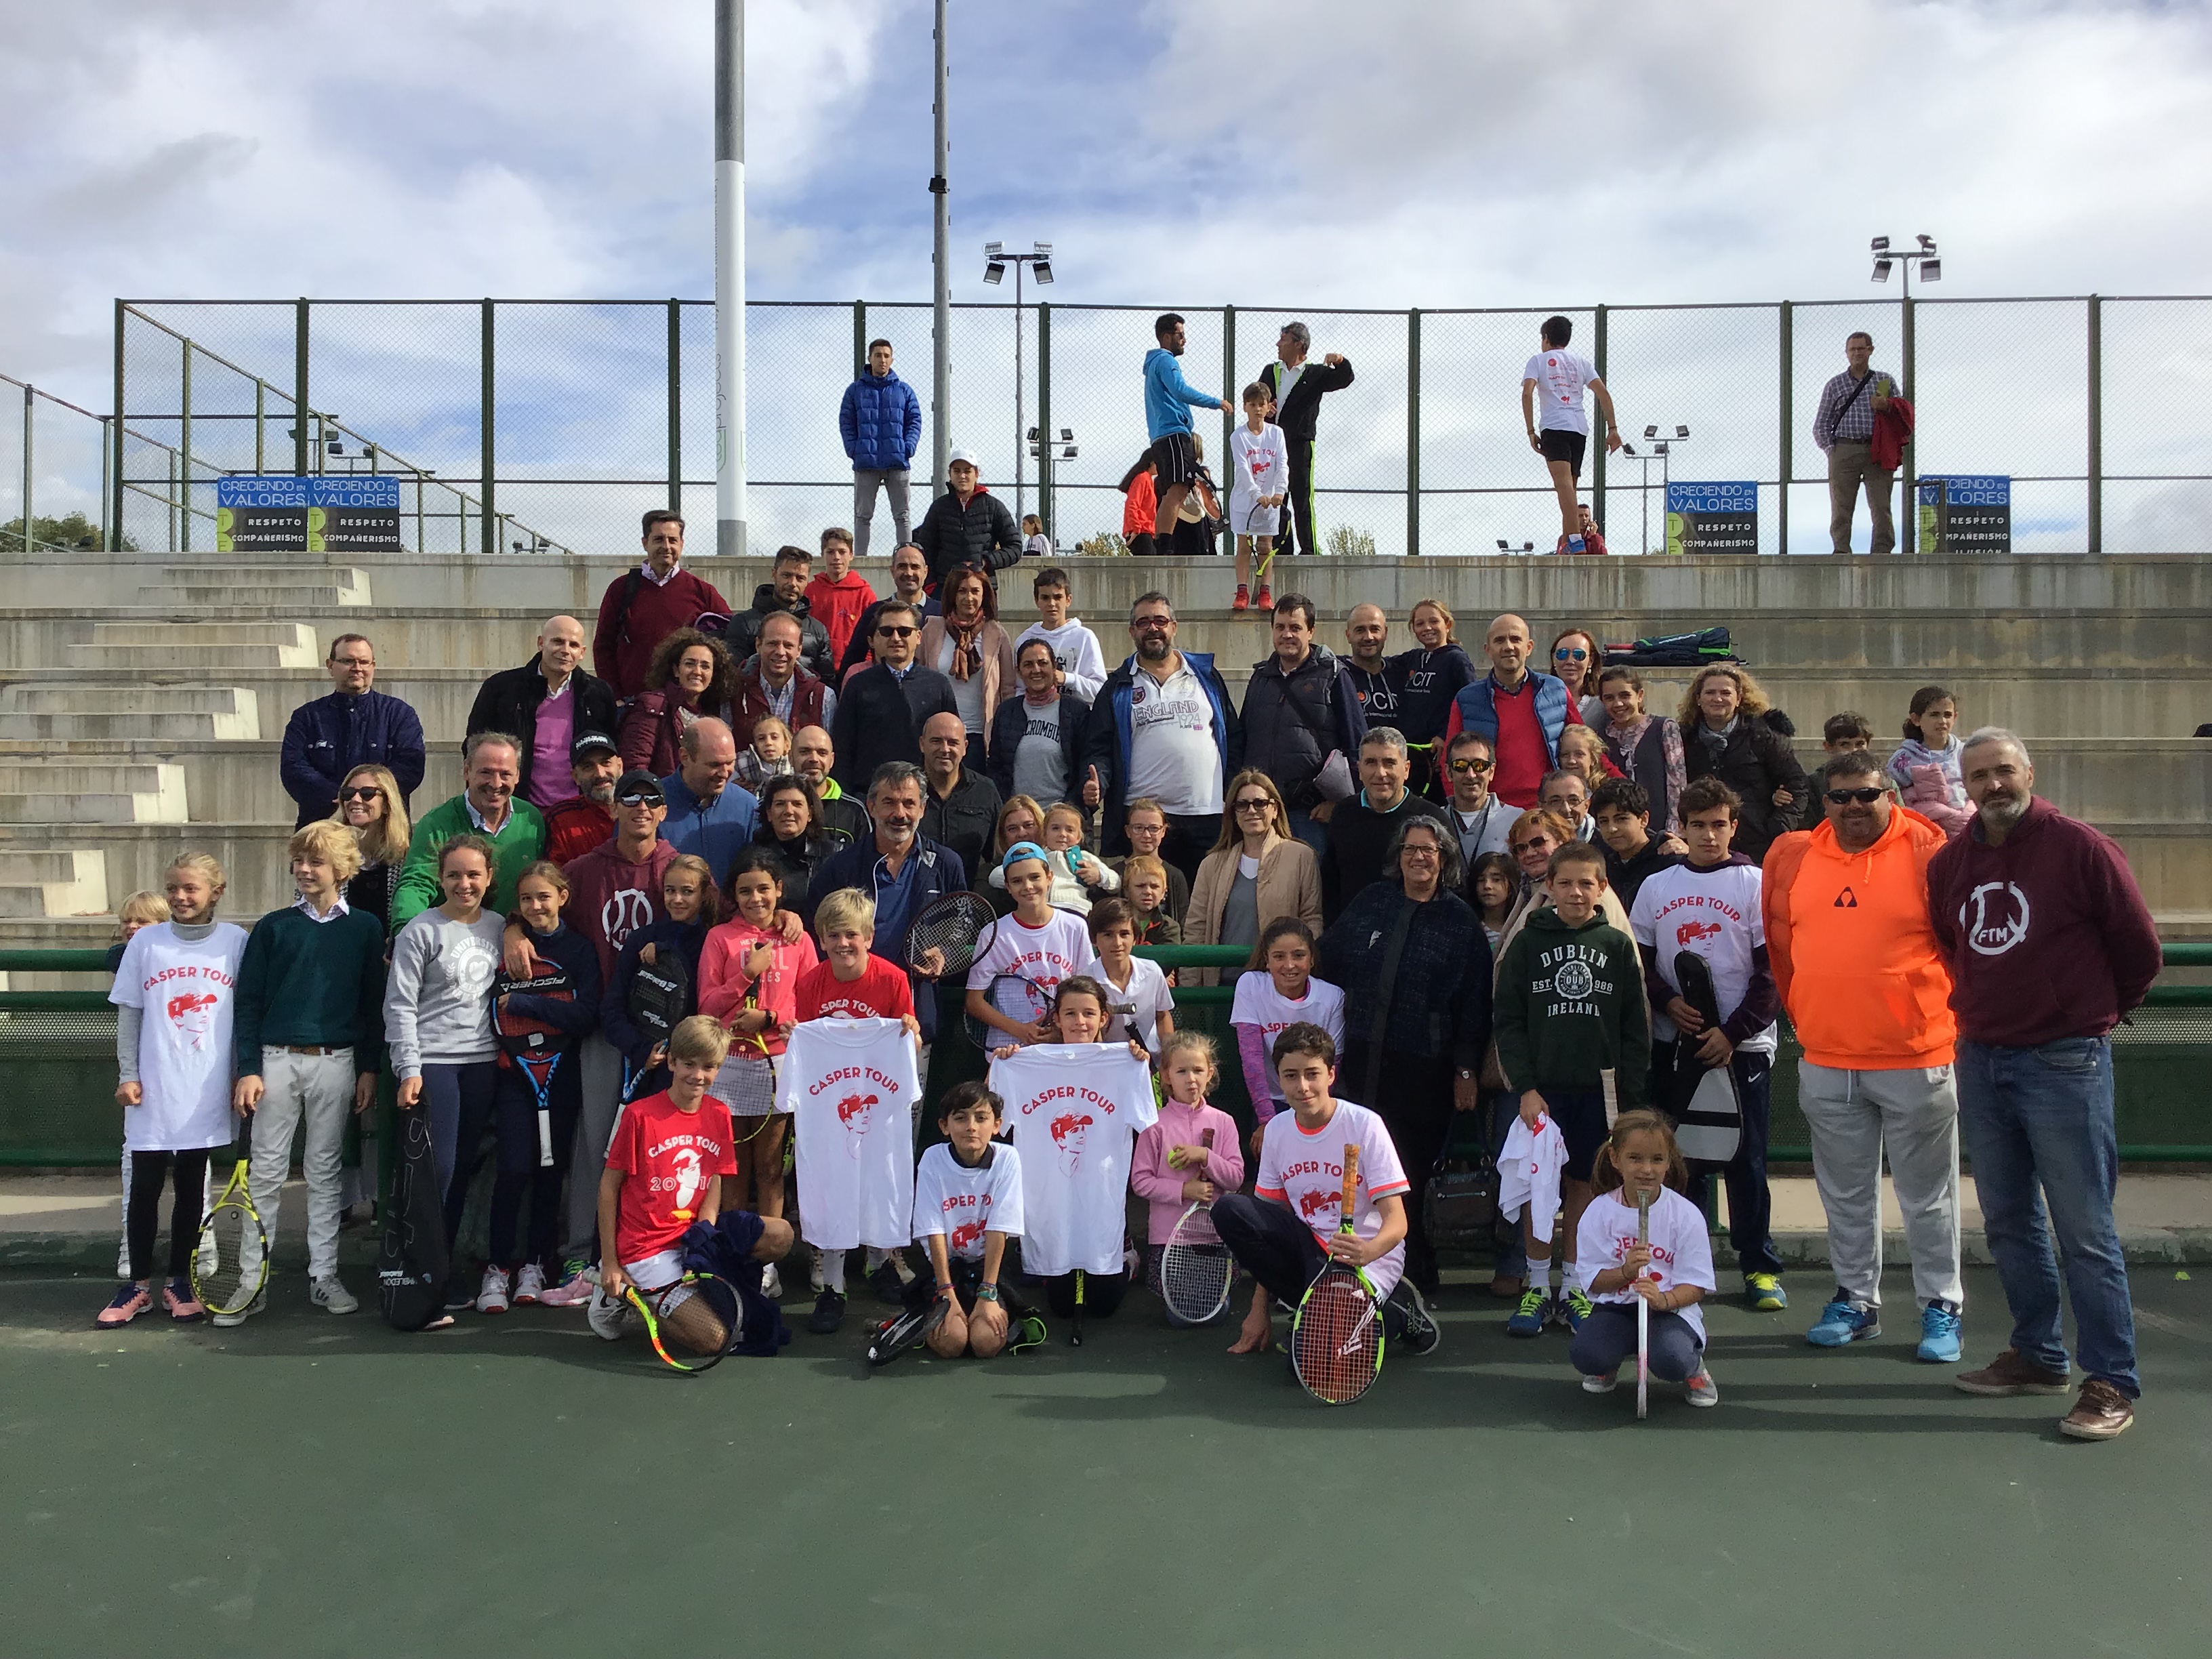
552 683
883 707
1360 828
909 580
960 807
1046 714
1296 387
785 592
967 524
1299 708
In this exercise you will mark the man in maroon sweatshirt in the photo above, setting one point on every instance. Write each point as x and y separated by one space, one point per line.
644 606
2048 944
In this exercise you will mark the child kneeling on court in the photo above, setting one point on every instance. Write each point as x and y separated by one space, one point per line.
663 1172
1282 1231
1673 1273
967 1204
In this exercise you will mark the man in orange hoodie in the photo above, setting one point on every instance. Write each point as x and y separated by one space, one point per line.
1853 949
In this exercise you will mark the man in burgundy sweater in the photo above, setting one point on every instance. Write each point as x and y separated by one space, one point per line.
2048 944
644 606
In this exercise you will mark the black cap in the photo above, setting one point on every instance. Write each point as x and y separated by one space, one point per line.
588 744
638 783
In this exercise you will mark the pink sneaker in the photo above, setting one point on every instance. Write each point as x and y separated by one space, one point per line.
176 1298
130 1301
572 1290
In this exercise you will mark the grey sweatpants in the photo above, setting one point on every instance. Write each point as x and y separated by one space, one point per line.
600 1073
1853 1117
866 483
316 1089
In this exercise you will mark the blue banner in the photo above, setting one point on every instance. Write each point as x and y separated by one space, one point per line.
341 513
1964 513
1712 517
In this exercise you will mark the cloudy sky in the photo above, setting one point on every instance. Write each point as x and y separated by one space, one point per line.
1192 152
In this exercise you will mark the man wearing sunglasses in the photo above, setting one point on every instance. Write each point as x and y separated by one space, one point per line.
1483 821
883 707
1852 945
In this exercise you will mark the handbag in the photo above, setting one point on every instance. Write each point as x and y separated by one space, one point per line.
1460 1207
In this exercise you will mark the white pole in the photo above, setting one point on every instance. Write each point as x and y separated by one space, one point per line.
729 278
940 390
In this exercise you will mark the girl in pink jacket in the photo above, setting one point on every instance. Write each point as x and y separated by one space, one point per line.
1172 1168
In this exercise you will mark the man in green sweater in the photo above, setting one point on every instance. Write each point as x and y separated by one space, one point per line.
1569 1008
491 767
309 1037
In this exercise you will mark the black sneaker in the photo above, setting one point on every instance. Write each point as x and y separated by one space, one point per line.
889 1288
828 1314
1421 1335
459 1294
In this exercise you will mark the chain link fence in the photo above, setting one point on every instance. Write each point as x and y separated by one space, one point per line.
563 421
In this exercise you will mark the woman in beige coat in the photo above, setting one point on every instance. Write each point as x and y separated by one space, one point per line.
1256 862
969 648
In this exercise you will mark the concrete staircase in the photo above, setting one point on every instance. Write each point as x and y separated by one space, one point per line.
142 696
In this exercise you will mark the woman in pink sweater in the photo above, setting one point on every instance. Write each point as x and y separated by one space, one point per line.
1172 1168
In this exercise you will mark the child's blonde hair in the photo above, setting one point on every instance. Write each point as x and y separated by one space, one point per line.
546 871
1063 809
333 843
144 907
205 864
710 895
771 723
1138 865
1197 1041
848 908
700 1039
1605 1172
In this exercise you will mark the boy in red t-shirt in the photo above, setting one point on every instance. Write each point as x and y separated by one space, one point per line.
663 1173
836 597
851 982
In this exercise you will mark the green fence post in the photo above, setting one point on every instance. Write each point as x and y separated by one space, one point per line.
1413 433
106 480
860 337
300 388
2096 479
29 540
1044 415
185 451
260 423
676 407
488 510
1789 352
113 539
1598 435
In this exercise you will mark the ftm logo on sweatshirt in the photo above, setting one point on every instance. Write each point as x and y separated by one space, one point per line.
1574 979
1994 918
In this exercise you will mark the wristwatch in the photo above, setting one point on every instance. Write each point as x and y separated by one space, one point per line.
987 1292
1467 1074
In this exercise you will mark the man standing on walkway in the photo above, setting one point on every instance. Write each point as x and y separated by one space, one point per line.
1300 710
1855 957
1844 428
1163 730
1556 378
881 423
549 703
644 606
1169 399
1521 711
2049 945
354 726
1296 387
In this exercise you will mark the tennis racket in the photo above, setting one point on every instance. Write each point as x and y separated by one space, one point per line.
1263 521
1642 1312
1197 1270
1022 1001
532 1047
895 1335
960 925
231 1234
1075 1324
693 1322
1336 1340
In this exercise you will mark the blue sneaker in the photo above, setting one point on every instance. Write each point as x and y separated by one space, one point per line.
1842 1322
1765 1291
1571 1309
1528 1319
1940 1324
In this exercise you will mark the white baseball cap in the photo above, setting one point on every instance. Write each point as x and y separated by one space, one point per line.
960 455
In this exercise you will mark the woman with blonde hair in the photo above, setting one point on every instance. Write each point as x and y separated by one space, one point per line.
1728 732
1257 872
371 805
1020 818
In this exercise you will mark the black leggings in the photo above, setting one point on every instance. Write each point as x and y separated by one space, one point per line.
1279 1250
144 1218
1102 1294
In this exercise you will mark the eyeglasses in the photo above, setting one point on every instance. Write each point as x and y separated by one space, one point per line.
362 792
1255 804
1471 764
1150 622
1570 653
1863 797
639 798
1413 849
897 633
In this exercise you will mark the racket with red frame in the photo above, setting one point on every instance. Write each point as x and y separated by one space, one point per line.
1336 1339
533 1047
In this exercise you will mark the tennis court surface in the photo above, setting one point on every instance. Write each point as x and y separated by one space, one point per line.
309 1485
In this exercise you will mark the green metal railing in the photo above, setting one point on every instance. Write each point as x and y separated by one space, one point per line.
58 1062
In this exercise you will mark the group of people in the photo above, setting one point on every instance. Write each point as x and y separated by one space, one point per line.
1470 893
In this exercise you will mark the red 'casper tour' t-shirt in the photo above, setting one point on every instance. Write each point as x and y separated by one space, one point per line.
881 992
670 1157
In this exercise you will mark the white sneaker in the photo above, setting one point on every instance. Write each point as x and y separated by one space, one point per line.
771 1283
1601 1384
1701 1389
330 1293
258 1305
491 1294
607 1315
529 1284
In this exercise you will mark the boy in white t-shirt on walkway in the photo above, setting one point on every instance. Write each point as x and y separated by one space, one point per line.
1712 903
1074 646
1259 485
1556 379
1143 1008
1282 1230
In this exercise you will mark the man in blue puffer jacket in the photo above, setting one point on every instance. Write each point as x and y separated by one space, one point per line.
881 420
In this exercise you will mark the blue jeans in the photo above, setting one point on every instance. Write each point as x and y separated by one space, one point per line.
2042 1119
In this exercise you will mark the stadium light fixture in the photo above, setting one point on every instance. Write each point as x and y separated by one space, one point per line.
1922 257
996 259
1651 431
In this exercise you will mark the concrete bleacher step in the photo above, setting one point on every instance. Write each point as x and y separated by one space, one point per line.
39 885
296 587
121 792
136 647
57 713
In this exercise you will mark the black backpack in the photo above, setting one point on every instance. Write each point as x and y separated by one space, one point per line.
412 1261
660 994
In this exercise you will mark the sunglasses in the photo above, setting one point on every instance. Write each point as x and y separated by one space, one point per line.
370 791
1471 765
639 798
1257 804
1863 797
1570 653
897 633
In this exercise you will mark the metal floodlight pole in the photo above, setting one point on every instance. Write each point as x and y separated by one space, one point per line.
1930 263
729 278
941 190
995 261
1021 433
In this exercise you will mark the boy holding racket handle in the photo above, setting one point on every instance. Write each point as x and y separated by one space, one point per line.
1283 1231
